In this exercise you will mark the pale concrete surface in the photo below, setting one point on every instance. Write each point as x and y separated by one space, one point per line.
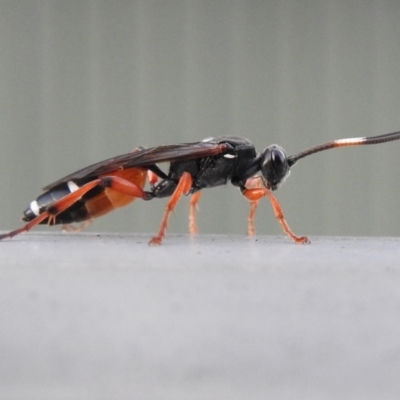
215 317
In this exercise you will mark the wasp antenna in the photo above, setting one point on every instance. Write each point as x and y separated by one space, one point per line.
388 137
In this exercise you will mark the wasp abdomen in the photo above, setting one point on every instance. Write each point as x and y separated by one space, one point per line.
95 202
36 207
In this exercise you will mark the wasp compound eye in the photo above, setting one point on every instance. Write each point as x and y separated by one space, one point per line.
274 166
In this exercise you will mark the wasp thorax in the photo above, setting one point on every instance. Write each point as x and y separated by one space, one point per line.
274 167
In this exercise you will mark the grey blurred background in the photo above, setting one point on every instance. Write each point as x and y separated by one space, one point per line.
81 81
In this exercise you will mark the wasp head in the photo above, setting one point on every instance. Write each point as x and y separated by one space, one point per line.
274 166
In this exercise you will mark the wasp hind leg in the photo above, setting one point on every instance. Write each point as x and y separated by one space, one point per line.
115 183
77 228
27 227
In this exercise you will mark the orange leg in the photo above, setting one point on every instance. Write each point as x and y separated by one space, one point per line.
113 182
252 183
77 228
26 227
256 193
251 230
183 188
194 206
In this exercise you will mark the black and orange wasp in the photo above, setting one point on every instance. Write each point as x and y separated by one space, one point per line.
100 188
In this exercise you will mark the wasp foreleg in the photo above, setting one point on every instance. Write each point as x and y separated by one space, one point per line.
250 184
255 194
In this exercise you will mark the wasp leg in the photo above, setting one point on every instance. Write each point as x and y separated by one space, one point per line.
113 182
77 228
183 188
252 183
254 194
194 206
26 227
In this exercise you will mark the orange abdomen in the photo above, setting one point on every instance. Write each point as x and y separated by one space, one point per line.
108 200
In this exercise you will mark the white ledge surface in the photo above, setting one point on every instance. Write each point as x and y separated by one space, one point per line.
213 317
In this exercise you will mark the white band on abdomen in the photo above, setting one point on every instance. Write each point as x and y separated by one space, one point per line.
34 206
72 186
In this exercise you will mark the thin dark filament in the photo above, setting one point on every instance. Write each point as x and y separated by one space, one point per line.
388 137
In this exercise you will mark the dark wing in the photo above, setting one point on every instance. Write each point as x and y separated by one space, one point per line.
147 157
